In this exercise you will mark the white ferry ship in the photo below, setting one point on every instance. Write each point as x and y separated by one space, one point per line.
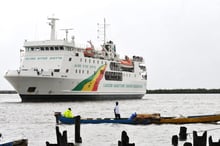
58 70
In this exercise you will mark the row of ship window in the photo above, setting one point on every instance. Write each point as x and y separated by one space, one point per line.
90 60
113 65
49 48
108 75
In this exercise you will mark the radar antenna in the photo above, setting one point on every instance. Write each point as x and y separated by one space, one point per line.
67 31
52 24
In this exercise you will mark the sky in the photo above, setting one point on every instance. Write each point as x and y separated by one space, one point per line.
179 39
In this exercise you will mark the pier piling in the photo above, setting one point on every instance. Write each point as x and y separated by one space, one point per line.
57 114
211 143
199 140
61 139
182 134
187 144
175 140
125 140
78 138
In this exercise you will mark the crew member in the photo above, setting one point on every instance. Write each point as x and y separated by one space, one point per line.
68 113
116 111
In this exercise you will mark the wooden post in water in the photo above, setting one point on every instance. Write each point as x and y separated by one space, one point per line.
61 139
211 143
78 138
175 140
182 134
57 115
125 140
187 144
58 134
199 140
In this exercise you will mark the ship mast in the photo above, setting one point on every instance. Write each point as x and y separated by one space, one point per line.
52 24
102 30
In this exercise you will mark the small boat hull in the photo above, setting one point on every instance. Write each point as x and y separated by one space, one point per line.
143 119
64 120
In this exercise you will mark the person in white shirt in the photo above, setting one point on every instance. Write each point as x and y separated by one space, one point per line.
116 111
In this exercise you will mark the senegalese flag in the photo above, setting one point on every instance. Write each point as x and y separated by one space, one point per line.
91 83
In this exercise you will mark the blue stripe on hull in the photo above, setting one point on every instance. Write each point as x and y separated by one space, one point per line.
64 120
58 98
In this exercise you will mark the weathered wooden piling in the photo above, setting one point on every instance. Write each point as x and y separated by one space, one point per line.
211 143
199 140
78 138
61 139
175 140
125 140
187 144
182 133
57 114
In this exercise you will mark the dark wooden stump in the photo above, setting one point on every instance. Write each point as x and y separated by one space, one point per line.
187 144
61 139
175 140
182 134
211 143
125 140
78 138
199 140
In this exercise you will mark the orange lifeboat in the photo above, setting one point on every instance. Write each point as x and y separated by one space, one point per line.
89 52
127 63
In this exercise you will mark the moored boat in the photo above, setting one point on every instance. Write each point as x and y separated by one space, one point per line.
144 119
63 120
20 142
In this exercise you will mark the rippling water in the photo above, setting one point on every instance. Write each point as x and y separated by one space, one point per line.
36 121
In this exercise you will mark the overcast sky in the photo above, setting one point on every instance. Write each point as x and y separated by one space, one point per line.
179 39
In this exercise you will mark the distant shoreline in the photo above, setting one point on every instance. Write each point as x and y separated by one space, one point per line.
157 91
8 92
184 91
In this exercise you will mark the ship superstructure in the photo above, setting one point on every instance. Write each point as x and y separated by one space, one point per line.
58 70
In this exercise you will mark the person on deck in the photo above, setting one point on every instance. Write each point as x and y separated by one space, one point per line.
68 113
116 111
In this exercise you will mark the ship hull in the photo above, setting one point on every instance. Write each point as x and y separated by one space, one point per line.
58 89
56 98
